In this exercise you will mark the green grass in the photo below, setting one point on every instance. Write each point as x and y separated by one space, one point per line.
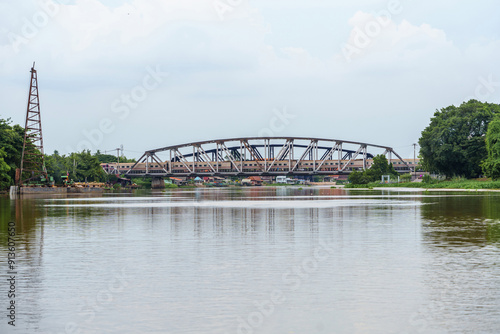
450 184
143 183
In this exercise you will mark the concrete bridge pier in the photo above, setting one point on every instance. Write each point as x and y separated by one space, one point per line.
157 183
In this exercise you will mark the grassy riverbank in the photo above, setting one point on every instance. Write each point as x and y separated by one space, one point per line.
451 184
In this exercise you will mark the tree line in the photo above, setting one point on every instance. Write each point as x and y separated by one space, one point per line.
78 166
461 141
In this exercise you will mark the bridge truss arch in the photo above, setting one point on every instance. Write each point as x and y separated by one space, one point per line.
259 156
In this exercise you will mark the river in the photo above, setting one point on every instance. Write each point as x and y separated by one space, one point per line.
253 260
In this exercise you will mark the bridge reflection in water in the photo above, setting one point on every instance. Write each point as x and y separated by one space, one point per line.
260 156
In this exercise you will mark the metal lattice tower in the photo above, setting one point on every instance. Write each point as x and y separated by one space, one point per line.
32 160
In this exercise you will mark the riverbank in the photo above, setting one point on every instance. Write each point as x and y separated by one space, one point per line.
458 185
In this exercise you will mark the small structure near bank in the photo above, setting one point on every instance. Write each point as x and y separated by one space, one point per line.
256 180
387 179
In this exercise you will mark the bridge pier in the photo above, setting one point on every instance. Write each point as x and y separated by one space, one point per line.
157 183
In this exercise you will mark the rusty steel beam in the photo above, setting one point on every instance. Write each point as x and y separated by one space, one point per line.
261 153
32 156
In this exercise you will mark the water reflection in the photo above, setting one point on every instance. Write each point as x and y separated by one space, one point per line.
453 221
197 261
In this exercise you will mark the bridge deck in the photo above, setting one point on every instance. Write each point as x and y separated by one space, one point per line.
258 156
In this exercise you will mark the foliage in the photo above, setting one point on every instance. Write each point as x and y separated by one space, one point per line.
81 167
427 179
87 166
453 143
11 142
491 166
357 177
56 166
405 177
143 182
379 167
5 179
108 158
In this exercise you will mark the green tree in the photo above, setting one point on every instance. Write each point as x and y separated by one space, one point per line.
357 177
453 143
108 158
5 179
11 141
80 166
89 167
85 166
57 166
491 166
406 177
380 167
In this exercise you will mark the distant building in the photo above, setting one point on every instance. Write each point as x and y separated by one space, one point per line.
256 180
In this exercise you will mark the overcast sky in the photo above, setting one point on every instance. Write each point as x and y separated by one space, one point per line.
148 74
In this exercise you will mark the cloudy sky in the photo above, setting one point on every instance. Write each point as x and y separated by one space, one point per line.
148 74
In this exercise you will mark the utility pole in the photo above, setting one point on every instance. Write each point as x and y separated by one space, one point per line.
117 156
414 160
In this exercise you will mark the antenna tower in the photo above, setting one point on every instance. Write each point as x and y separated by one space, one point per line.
32 160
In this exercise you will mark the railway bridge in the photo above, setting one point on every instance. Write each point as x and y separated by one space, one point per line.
293 156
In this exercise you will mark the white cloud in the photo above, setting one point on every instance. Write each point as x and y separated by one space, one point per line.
90 21
228 75
372 36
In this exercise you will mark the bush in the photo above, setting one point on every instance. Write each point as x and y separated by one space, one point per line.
357 177
428 179
405 178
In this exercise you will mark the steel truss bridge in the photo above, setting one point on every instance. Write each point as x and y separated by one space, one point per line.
257 156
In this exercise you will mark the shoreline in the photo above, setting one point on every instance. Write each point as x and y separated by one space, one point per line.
410 189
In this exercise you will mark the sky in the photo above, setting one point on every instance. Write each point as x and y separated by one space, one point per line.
149 74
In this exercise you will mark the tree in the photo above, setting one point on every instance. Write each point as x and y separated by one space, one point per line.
5 179
57 166
357 177
80 166
89 167
108 158
379 167
491 166
453 143
11 141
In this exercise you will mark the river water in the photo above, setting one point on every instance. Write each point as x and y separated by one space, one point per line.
254 260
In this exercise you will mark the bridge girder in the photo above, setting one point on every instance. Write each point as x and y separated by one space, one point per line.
260 151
